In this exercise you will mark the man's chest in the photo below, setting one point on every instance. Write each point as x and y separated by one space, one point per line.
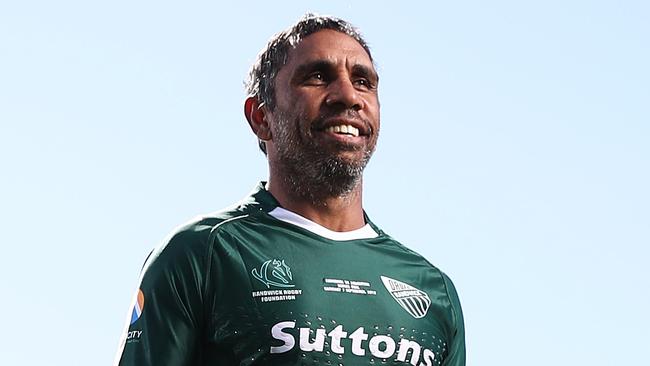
294 300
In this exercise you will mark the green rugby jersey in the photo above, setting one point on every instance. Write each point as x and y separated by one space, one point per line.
242 287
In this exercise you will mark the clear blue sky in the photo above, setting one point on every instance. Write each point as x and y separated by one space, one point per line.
514 155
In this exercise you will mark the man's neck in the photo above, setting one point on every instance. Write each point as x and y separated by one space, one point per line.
341 214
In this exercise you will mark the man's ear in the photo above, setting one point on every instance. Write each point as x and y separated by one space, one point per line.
256 117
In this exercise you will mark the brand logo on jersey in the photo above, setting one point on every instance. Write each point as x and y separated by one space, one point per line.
137 307
348 286
379 345
414 301
133 336
274 272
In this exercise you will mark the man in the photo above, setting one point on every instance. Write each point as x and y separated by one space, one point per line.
297 273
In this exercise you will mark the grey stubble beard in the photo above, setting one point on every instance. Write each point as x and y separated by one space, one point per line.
312 174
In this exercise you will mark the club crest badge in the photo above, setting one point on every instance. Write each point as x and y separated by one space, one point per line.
274 272
414 301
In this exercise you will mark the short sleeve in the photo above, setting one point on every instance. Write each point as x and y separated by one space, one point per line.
167 315
456 354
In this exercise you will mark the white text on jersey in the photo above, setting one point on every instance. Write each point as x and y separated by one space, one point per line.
380 346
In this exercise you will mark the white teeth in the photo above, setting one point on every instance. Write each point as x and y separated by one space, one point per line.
344 129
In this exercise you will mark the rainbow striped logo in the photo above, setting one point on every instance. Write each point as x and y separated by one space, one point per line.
138 307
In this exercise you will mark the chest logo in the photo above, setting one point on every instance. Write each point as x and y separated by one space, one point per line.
274 272
414 301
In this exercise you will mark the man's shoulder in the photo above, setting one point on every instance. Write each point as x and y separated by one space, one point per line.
203 225
196 237
418 260
193 238
414 255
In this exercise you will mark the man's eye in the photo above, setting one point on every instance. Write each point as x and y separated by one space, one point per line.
316 76
363 83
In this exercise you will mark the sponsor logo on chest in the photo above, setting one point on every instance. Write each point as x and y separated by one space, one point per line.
359 341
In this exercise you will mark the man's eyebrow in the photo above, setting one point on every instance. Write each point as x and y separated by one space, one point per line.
366 71
326 65
313 65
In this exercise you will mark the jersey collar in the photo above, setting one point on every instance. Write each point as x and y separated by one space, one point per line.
262 200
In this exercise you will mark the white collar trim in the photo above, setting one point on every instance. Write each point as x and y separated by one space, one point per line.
366 232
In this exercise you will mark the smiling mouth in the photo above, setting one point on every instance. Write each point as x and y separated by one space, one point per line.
348 130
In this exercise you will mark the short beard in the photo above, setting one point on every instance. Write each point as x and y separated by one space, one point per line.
310 173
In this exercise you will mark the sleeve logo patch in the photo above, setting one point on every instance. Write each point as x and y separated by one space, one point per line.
138 307
414 301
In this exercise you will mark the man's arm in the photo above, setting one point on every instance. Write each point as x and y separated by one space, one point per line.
164 327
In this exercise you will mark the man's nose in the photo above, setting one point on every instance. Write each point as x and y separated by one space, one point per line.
342 92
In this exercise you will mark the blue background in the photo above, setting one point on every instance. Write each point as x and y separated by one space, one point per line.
514 155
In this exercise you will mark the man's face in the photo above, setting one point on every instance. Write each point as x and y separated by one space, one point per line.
326 119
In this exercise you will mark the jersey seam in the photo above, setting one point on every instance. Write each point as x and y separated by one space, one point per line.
444 282
210 253
451 303
211 243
